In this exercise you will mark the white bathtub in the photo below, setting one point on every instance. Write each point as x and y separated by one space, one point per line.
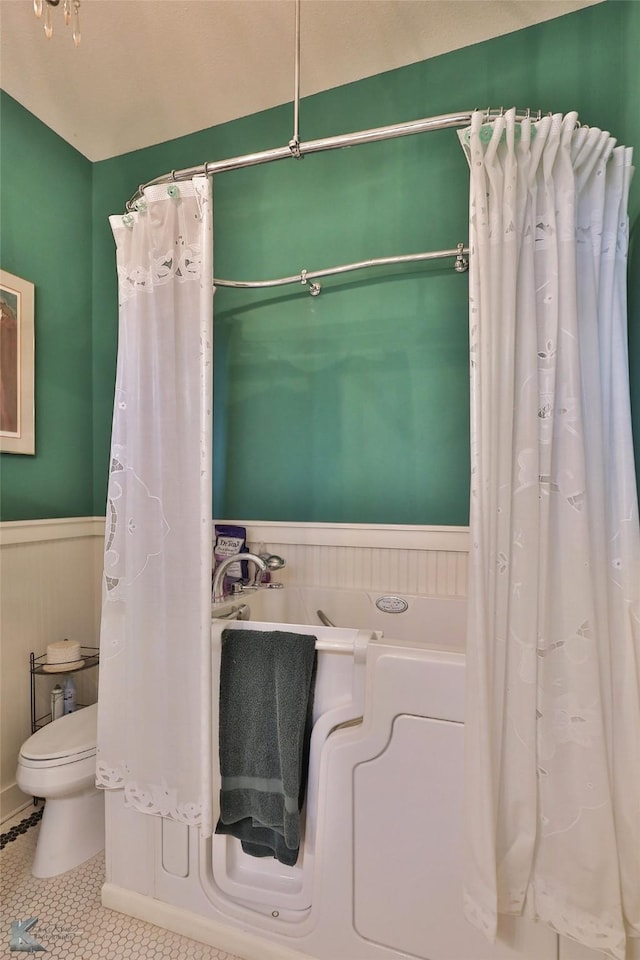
380 871
427 621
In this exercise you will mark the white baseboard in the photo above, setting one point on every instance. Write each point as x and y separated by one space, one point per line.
198 928
12 801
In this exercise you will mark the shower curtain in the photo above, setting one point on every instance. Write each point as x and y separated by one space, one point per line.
155 675
553 706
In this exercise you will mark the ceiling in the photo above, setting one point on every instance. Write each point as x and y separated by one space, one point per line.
147 71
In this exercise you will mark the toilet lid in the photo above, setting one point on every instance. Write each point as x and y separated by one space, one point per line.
73 734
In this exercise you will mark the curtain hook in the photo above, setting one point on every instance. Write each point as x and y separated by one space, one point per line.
314 288
462 264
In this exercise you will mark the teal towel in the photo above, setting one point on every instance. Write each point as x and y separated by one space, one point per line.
266 702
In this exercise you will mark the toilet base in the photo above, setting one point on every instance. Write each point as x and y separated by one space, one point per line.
71 831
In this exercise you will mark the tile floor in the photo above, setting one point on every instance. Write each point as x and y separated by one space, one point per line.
71 922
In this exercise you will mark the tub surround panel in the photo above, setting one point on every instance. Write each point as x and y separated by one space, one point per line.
186 923
129 848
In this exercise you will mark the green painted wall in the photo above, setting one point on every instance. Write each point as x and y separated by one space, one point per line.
45 216
348 407
353 406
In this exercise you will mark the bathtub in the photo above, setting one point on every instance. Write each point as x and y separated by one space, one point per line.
379 875
433 622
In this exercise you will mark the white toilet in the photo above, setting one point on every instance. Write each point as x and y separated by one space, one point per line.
58 763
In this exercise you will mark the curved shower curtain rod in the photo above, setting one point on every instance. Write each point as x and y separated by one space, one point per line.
461 265
298 150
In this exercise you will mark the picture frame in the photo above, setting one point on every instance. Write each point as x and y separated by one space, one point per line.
17 370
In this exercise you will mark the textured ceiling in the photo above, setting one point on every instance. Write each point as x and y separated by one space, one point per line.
150 70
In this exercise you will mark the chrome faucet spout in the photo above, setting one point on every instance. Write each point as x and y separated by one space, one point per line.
221 569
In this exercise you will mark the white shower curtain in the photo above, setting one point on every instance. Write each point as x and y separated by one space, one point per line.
553 706
154 699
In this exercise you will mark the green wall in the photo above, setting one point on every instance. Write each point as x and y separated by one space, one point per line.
45 216
352 406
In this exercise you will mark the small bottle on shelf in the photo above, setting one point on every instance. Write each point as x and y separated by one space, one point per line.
57 704
69 695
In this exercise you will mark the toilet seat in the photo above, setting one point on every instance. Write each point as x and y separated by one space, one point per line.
55 761
67 740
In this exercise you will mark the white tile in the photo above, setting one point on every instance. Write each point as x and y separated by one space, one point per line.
72 923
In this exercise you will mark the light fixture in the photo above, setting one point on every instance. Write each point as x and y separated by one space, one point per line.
71 10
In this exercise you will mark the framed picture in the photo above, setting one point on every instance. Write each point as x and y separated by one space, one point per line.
17 433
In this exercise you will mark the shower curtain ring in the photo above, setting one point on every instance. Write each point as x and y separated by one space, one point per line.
314 288
462 263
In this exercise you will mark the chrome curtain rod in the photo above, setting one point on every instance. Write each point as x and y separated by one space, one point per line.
298 150
461 265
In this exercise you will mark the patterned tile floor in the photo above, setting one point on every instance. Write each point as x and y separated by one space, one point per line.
72 923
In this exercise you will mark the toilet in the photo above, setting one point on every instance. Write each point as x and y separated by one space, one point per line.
58 763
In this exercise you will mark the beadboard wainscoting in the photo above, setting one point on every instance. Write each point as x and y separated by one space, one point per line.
428 561
50 573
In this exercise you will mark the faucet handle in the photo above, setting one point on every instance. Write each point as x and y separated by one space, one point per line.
273 561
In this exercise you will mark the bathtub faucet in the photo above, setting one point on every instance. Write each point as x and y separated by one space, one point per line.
221 569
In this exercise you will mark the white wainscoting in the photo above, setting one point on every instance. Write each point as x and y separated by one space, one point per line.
428 561
51 588
50 573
